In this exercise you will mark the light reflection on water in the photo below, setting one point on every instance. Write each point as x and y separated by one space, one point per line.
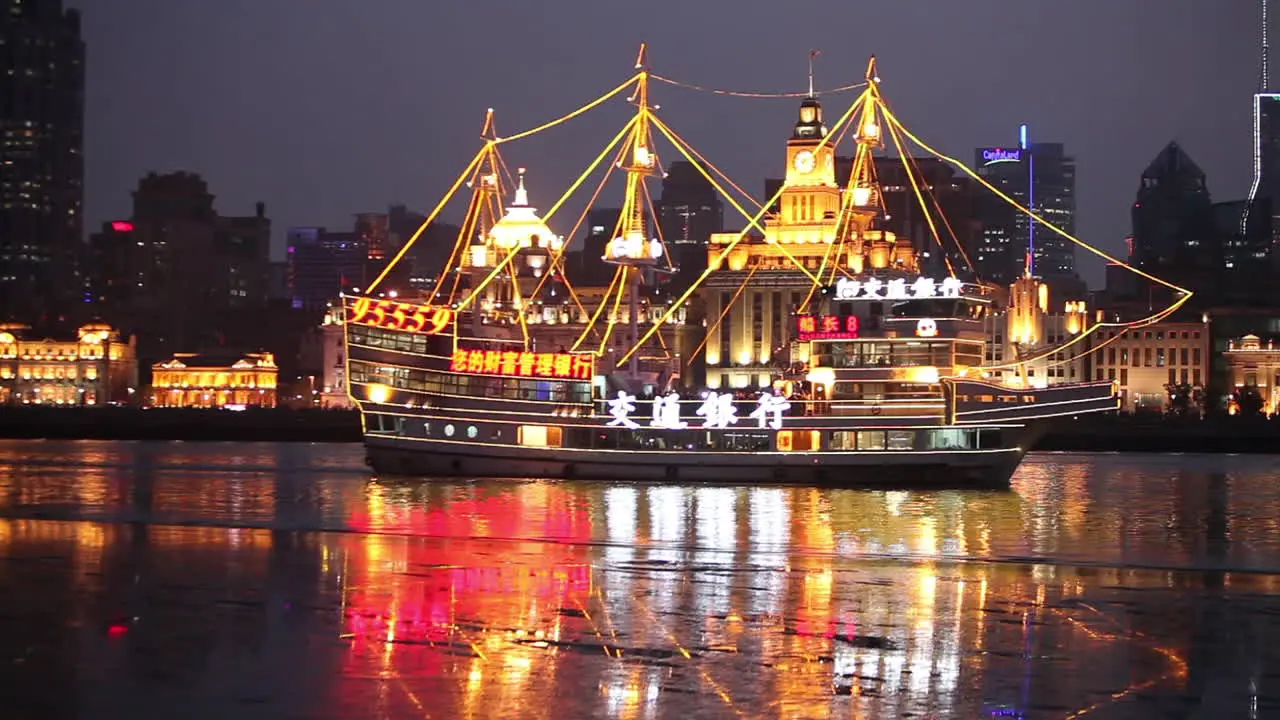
259 580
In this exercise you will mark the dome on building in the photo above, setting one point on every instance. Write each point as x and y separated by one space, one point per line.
521 227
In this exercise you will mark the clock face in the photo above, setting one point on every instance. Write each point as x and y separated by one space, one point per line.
803 161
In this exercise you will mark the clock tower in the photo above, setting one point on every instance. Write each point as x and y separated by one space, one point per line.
807 164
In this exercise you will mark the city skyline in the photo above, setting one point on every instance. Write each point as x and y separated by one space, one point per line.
338 133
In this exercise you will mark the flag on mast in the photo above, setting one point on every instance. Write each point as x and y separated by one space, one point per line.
812 54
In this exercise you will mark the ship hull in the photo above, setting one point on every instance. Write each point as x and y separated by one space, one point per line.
442 459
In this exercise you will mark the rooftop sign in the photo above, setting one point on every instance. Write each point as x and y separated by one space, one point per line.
991 156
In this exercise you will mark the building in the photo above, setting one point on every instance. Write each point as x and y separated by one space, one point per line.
1174 235
175 267
375 229
1026 327
324 362
586 265
230 381
1145 361
1253 364
97 367
952 202
689 213
1243 229
761 282
321 265
1266 159
243 252
1041 177
41 161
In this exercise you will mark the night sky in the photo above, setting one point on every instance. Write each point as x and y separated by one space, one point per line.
324 108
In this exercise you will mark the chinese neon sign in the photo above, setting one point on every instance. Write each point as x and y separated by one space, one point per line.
121 226
1001 155
717 410
400 316
827 327
897 289
564 366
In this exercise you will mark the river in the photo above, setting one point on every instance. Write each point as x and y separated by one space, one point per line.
211 580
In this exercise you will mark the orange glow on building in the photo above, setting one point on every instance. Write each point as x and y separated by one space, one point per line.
401 316
523 364
203 381
96 368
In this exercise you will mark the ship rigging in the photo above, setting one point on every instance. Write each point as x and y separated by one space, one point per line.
640 253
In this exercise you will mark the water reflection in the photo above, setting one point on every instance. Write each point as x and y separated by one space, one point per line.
216 584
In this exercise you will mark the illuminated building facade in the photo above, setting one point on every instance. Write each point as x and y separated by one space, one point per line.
375 229
1143 361
751 343
333 355
1255 364
98 367
41 160
207 381
1026 327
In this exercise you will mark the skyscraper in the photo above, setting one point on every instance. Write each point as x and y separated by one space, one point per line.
1264 193
41 163
1038 176
689 211
1174 237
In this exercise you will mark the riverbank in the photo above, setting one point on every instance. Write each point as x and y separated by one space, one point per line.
1090 434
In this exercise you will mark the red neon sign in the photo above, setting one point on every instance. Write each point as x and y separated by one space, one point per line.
827 327
121 226
400 316
523 364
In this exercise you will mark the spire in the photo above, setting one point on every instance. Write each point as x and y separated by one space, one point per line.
812 54
522 195
1265 79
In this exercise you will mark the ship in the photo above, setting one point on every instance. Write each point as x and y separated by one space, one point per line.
814 346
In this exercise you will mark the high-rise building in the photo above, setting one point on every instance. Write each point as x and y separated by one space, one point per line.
1174 237
1042 178
172 270
951 202
321 265
689 212
590 270
41 161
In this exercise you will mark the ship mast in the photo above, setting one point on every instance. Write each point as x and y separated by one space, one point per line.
632 248
483 212
862 201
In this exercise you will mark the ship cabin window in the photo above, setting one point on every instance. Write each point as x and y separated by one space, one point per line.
799 440
882 354
539 436
397 341
951 439
968 354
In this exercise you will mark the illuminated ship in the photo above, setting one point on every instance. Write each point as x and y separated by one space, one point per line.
814 348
